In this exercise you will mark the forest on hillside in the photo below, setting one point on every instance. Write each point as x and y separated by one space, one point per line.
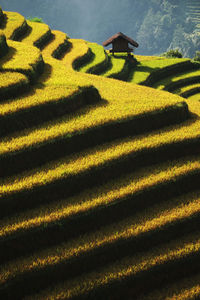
157 25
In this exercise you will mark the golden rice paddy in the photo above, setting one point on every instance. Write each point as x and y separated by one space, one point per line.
59 38
8 79
15 61
121 101
13 21
37 31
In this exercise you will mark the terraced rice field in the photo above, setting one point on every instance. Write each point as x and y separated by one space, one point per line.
193 10
99 177
99 63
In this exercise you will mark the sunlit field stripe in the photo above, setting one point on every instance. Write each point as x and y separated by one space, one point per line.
14 60
56 74
37 31
59 39
141 58
195 97
90 199
162 84
14 21
37 97
79 49
117 66
186 289
118 107
186 88
154 218
123 269
55 85
8 79
142 71
74 164
99 57
115 109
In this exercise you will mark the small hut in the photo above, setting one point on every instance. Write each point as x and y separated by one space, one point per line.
120 43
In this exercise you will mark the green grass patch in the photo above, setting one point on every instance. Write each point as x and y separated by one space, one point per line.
120 66
116 65
35 19
180 80
188 90
195 97
99 62
147 68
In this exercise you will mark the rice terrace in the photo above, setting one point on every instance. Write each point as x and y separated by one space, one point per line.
99 167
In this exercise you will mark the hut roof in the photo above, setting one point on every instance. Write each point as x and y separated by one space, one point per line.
120 35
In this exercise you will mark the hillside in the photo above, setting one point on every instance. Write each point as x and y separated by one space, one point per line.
99 169
157 25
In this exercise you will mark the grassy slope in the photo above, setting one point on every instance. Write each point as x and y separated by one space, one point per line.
99 62
131 191
145 67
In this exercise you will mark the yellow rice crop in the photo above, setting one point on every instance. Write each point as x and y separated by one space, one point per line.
118 107
146 57
195 97
74 164
156 217
14 60
59 38
118 271
14 21
11 78
186 289
79 49
161 84
55 73
187 88
123 187
37 31
37 96
54 85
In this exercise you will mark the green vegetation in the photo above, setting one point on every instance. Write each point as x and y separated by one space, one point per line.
197 56
99 62
146 71
99 178
35 19
173 53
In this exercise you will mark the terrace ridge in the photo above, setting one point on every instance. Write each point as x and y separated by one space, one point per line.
97 175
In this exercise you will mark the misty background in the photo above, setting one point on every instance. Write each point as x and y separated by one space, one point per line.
157 25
